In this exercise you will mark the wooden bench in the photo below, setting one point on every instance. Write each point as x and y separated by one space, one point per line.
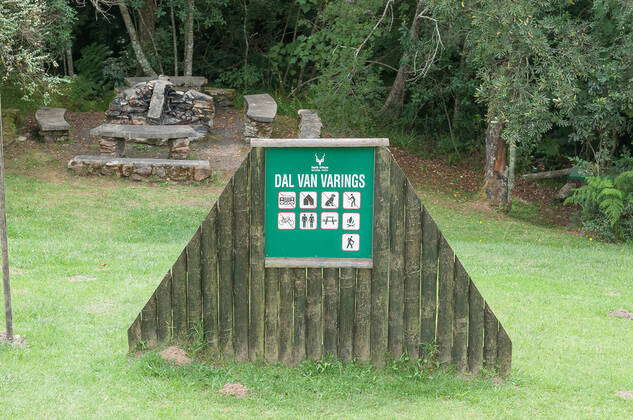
52 124
261 110
113 138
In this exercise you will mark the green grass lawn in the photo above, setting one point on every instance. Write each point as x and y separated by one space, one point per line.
88 253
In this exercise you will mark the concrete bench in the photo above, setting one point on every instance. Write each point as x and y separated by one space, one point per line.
52 124
310 124
141 169
261 110
113 138
178 81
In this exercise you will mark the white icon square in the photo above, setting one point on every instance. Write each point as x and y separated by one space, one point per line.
351 242
351 221
351 200
287 199
329 220
329 199
286 221
308 199
308 221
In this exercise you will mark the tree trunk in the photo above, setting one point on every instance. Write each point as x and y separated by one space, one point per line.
8 311
174 39
395 101
496 170
189 39
147 28
136 45
69 61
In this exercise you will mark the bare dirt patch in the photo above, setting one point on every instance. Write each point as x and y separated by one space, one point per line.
80 278
627 395
622 313
236 390
175 355
17 341
100 307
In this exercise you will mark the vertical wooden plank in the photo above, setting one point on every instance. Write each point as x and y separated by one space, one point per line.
412 279
225 254
346 314
396 261
286 313
209 273
504 353
314 316
475 329
460 320
445 310
134 334
428 303
491 329
299 341
362 316
241 266
194 287
148 323
163 309
256 329
380 272
179 296
331 312
272 315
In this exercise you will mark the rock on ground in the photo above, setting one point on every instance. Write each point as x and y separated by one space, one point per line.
627 395
622 313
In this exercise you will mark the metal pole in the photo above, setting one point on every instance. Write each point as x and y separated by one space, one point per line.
3 238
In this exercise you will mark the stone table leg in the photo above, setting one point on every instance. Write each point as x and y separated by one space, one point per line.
179 148
109 146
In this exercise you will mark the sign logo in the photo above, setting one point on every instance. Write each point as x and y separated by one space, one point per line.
319 167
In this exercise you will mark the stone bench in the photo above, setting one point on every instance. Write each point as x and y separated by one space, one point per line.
310 124
141 169
261 110
179 81
113 138
52 124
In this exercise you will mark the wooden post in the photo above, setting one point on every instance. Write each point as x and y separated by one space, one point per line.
362 316
428 301
491 329
412 279
225 242
134 334
299 279
163 310
475 329
314 316
286 304
272 315
396 261
331 311
241 274
460 321
504 352
179 295
380 272
346 314
445 308
209 263
258 276
148 323
6 282
194 287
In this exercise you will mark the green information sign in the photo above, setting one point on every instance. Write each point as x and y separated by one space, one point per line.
319 206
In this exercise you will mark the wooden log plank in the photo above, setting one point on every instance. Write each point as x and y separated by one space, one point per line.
347 142
225 254
445 311
299 340
396 261
347 279
209 273
331 312
163 309
194 287
286 312
362 316
460 320
241 255
428 303
258 276
148 323
491 329
271 331
179 296
504 353
134 334
380 272
314 315
412 279
475 329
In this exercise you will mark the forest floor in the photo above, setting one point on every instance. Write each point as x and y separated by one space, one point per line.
87 252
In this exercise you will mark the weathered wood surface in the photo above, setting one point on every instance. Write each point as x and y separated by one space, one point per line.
416 300
320 142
